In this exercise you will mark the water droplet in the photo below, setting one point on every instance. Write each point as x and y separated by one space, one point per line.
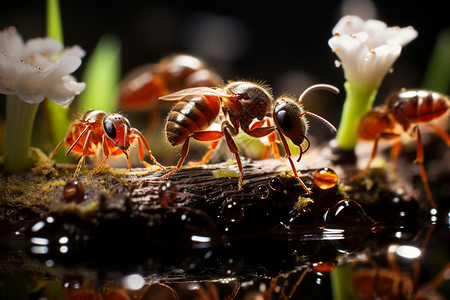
167 192
73 192
325 178
275 183
262 191
347 214
232 211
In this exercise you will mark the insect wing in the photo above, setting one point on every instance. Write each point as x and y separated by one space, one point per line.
206 91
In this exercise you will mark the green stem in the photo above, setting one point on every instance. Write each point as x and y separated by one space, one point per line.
357 103
19 126
58 115
437 75
341 283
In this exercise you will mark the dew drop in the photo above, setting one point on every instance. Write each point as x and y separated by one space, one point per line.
347 214
167 192
275 183
262 191
73 192
325 178
232 211
323 267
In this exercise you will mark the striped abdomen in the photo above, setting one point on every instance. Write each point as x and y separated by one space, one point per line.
191 114
418 106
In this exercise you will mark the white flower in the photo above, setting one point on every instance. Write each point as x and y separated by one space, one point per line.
28 71
368 49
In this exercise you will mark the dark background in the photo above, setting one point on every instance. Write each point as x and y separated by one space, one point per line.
285 45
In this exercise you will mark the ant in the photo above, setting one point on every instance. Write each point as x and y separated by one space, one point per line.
391 283
143 85
240 103
112 132
403 110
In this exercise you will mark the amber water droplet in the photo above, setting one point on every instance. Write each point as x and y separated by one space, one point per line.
323 267
232 211
275 183
73 192
325 178
262 191
167 192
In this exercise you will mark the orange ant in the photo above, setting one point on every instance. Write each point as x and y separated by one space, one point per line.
112 132
405 108
392 283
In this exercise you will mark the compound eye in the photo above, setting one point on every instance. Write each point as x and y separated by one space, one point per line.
109 128
284 120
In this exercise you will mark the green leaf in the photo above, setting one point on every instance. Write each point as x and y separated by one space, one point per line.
102 74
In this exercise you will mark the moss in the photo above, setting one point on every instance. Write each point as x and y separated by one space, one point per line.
303 202
225 173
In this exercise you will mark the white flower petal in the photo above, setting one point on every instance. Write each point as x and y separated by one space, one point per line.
46 47
11 42
368 50
27 69
349 25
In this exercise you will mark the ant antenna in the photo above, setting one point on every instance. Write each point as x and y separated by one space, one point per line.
330 126
315 87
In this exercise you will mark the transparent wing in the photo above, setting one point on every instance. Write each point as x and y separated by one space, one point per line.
207 91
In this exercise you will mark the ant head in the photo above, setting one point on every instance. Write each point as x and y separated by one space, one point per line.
117 128
288 118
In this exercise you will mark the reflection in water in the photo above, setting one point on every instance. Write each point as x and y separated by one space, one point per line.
252 249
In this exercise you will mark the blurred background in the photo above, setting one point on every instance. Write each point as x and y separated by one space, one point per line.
284 45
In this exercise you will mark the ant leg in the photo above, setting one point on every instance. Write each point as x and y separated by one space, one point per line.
291 293
106 154
437 281
85 146
385 135
233 148
416 265
395 151
184 152
288 154
444 135
142 140
50 157
201 136
212 147
257 131
423 174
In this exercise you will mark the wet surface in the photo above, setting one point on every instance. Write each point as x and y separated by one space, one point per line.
174 239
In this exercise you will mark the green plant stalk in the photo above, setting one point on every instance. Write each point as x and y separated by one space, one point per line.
341 283
101 76
357 103
58 115
19 126
54 23
437 75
